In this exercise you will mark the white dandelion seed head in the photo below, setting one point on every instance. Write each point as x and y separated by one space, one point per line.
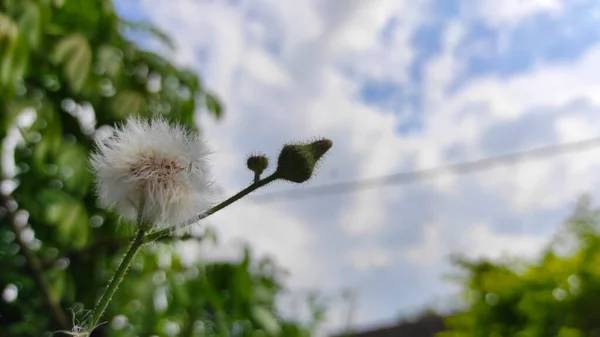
164 165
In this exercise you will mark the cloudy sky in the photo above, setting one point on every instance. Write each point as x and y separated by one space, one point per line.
398 85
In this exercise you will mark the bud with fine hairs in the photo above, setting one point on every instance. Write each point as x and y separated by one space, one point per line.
257 163
154 165
297 162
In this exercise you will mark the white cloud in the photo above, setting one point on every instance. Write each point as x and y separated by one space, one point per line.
443 69
543 90
270 232
546 85
574 128
509 12
370 257
478 241
431 250
326 51
224 45
263 69
481 241
375 40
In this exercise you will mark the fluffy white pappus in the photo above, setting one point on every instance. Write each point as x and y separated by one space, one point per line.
163 164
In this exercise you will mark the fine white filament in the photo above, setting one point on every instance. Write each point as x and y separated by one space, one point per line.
152 163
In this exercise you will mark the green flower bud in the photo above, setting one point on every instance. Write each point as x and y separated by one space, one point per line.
257 163
297 162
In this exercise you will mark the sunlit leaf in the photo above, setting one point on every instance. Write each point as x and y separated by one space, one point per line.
266 319
68 215
75 55
58 3
6 62
127 103
110 60
8 28
19 60
30 25
570 332
263 295
40 152
65 47
73 167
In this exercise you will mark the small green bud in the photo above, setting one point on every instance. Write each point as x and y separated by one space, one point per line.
257 163
297 162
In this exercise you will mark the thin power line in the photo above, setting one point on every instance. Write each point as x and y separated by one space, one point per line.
419 175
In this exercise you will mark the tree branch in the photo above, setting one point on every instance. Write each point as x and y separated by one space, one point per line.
58 316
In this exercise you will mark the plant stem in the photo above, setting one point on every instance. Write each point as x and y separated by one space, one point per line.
136 244
254 186
141 238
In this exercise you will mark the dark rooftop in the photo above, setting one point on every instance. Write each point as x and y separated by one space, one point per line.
426 326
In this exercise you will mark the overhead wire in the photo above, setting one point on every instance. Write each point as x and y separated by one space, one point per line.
403 178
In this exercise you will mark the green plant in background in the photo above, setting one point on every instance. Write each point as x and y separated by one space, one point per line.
555 295
67 74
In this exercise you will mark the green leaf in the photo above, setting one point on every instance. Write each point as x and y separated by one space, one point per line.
20 58
187 113
152 30
40 152
110 60
190 79
74 226
68 215
8 28
30 26
64 48
69 292
51 140
127 103
266 319
570 332
181 297
14 60
56 279
58 3
75 55
73 164
213 105
264 295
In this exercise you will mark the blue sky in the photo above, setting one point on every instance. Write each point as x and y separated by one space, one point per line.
398 85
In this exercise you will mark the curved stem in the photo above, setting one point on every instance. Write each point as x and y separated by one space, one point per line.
117 278
254 186
141 238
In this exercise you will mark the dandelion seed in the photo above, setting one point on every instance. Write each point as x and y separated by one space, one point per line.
155 164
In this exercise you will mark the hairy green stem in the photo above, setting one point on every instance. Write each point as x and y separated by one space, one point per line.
254 186
141 238
136 244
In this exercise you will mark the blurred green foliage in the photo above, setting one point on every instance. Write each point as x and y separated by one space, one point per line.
556 295
66 71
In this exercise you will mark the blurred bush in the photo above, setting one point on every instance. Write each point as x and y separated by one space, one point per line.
556 295
67 69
